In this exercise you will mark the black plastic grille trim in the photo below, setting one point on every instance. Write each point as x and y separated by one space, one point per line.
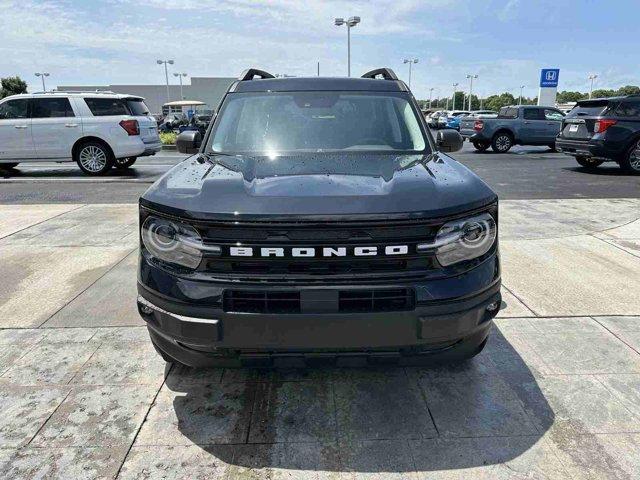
349 301
400 299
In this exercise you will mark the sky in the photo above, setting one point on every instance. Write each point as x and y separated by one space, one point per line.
504 42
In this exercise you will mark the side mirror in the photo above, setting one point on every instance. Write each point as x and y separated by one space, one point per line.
449 141
189 141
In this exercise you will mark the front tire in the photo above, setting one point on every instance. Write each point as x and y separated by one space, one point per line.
124 163
630 163
481 146
502 142
589 163
94 158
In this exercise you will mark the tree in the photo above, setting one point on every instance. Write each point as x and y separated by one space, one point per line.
12 86
496 102
603 93
567 96
629 90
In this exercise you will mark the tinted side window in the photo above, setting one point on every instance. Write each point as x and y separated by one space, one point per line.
137 107
14 109
101 107
553 115
506 112
628 109
532 114
51 107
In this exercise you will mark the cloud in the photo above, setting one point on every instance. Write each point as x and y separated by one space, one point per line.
509 11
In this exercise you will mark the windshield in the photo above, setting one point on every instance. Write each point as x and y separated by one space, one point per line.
268 122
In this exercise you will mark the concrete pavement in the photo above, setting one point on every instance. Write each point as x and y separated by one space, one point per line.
554 395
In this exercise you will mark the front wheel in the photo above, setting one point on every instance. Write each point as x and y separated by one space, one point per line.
630 163
502 143
94 158
589 163
481 146
124 163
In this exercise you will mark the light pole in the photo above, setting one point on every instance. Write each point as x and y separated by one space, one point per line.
42 75
471 77
410 61
520 99
430 94
592 78
180 75
453 107
350 23
166 74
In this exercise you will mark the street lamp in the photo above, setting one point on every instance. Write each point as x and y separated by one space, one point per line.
520 99
166 74
410 61
454 96
592 78
471 77
180 75
350 23
42 75
430 94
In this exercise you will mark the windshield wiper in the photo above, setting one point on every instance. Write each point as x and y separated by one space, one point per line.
207 156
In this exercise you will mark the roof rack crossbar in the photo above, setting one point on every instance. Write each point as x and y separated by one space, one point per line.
250 73
385 73
56 91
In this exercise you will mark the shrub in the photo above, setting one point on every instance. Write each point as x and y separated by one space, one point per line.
168 138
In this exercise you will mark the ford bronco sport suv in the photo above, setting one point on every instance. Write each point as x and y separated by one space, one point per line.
318 221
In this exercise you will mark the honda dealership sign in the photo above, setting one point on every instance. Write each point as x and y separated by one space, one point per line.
548 86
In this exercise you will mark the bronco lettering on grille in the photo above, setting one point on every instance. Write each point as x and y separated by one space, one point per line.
301 252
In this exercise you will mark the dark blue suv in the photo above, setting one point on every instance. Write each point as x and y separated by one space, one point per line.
603 130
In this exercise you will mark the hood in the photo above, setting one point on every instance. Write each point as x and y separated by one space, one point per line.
318 185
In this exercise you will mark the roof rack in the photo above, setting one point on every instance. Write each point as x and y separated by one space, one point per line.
73 91
385 73
250 73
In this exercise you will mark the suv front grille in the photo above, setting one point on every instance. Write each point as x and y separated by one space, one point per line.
318 235
347 301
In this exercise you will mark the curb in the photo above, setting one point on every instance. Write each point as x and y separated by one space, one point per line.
169 147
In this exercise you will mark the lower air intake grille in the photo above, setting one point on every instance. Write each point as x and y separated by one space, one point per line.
347 301
376 300
261 302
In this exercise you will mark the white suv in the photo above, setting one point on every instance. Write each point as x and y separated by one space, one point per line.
97 130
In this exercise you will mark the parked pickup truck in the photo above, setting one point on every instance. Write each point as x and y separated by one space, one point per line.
517 125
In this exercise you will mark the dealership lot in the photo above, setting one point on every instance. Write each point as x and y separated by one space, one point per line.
554 395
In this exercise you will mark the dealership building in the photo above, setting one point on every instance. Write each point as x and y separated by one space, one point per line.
208 90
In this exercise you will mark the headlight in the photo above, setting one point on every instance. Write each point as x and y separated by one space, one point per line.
463 239
174 242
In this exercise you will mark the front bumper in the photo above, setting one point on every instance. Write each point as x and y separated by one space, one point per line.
449 315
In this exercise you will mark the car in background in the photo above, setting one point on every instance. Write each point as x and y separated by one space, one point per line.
452 119
432 121
97 130
515 125
603 130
